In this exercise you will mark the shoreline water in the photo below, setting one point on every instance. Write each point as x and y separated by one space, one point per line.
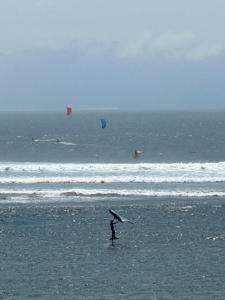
62 250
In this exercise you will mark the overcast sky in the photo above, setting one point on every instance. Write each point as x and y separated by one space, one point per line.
112 54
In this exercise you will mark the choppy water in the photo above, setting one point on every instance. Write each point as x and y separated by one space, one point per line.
51 155
175 250
59 176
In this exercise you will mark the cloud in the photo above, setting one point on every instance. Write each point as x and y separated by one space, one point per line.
170 46
127 30
43 79
205 50
148 46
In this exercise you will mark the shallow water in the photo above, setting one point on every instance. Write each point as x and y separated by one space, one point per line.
175 250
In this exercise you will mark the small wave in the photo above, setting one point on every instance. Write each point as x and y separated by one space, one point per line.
214 238
44 140
170 169
56 195
68 143
139 193
106 179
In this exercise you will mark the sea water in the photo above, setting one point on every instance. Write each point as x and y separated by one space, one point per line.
60 174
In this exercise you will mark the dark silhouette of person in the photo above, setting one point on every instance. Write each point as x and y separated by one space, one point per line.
112 223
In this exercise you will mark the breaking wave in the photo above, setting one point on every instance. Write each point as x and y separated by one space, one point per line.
95 194
143 172
61 181
110 179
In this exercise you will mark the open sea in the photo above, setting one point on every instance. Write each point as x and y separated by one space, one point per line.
60 174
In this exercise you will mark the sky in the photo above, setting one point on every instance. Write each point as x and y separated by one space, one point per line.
102 54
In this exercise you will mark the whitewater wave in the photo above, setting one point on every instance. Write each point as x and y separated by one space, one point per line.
56 195
68 143
109 179
28 173
41 181
198 168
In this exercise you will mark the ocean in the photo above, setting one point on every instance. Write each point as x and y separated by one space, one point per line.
60 174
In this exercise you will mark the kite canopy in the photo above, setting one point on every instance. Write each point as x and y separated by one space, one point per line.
118 217
68 110
138 153
103 122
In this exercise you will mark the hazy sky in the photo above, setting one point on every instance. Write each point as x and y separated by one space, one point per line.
112 54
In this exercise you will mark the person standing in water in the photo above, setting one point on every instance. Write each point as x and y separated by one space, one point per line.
112 223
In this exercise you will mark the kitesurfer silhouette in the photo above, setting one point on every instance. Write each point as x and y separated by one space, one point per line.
112 223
